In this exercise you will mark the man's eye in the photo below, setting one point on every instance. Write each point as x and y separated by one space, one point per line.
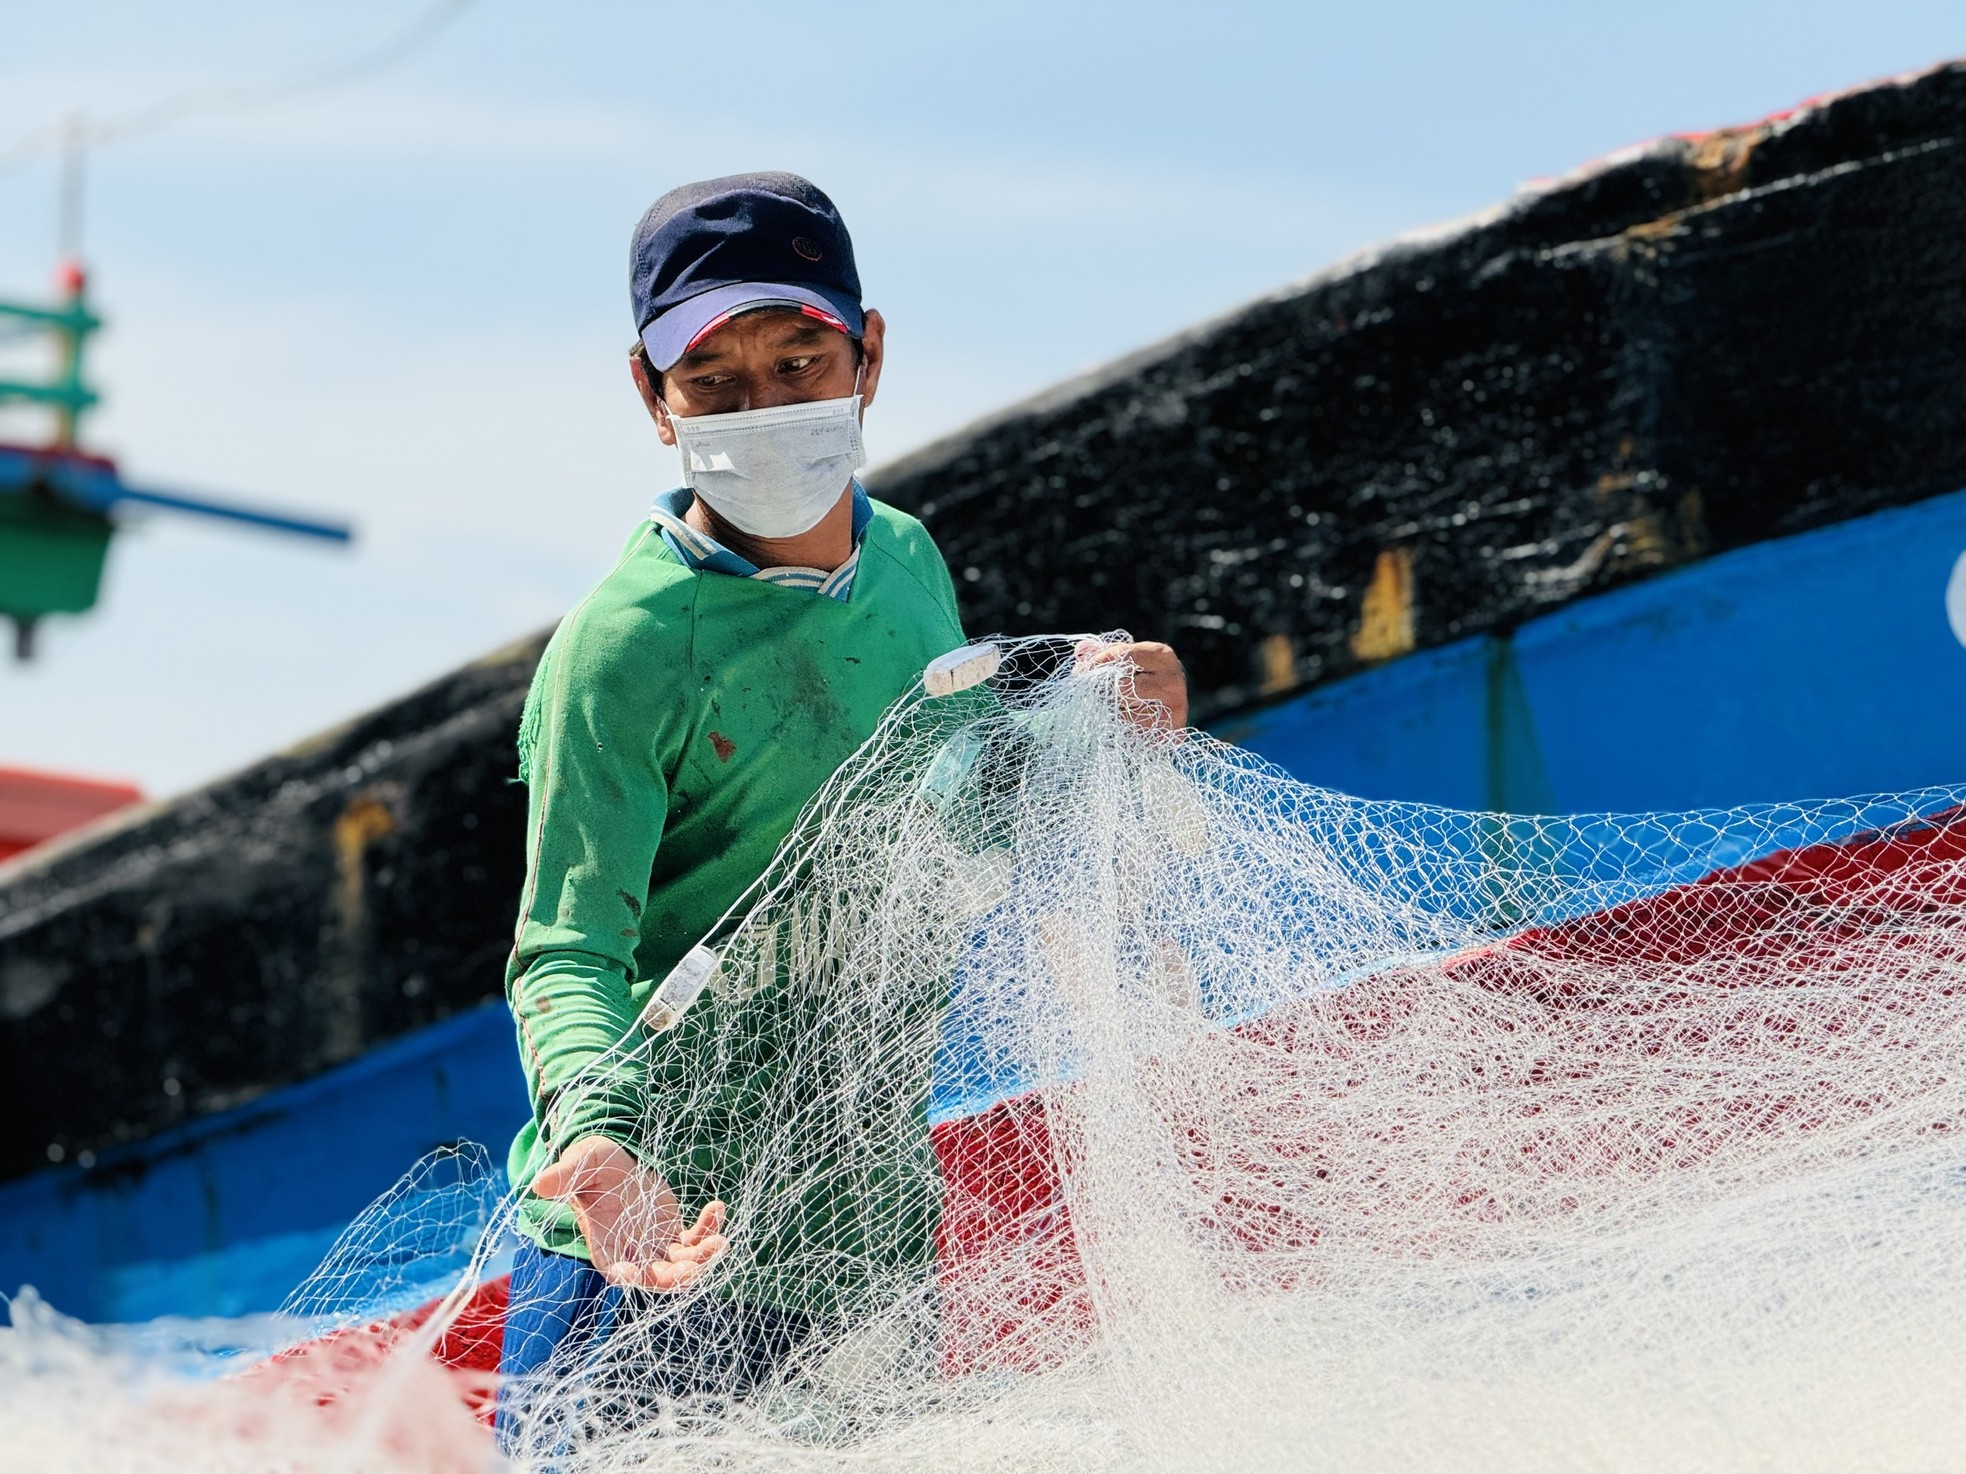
796 365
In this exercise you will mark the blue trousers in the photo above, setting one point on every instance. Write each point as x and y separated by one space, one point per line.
562 1312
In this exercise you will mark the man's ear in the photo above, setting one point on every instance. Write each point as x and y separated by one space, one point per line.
651 397
873 352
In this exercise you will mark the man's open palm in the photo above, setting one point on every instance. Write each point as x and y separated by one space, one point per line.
629 1216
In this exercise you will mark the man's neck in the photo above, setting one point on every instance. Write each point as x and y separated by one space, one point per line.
825 546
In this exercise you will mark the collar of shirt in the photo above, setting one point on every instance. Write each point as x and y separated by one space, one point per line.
702 552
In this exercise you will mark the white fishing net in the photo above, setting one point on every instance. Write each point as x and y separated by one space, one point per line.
1087 1097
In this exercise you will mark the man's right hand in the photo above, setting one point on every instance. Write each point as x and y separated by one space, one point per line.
629 1217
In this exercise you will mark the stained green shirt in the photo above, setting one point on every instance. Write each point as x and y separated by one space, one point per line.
676 725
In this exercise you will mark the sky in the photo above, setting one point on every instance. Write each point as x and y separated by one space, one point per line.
403 301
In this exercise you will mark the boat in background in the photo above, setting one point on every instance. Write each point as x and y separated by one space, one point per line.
36 807
59 504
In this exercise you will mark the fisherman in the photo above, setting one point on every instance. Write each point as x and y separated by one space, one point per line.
743 646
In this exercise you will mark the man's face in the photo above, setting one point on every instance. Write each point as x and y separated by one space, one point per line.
762 359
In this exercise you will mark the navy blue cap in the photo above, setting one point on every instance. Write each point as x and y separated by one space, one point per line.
705 252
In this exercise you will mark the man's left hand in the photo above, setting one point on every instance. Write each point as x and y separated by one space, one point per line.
1154 695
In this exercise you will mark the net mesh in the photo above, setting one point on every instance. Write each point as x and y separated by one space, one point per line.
1091 1097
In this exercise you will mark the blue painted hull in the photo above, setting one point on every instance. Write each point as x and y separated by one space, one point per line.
1817 666
231 1212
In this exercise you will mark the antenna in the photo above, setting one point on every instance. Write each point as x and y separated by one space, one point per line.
74 156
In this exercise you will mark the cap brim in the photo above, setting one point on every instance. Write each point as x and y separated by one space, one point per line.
668 337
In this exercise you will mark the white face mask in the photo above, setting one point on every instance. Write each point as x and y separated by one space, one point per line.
773 472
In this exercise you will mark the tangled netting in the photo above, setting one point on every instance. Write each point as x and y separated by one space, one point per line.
1091 1097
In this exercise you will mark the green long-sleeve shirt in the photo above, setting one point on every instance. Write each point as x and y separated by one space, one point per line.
676 724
